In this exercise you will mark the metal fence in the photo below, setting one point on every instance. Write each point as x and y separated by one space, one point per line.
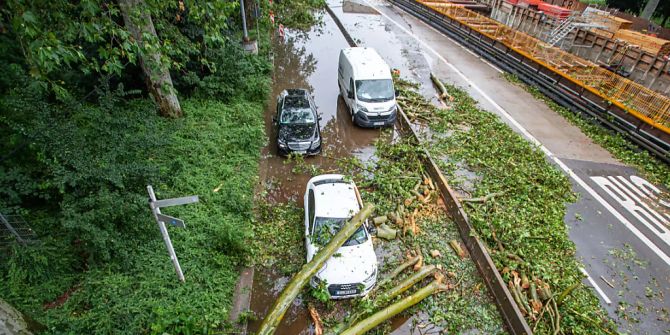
641 102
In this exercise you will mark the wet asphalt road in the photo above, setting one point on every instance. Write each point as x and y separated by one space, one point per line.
619 228
626 259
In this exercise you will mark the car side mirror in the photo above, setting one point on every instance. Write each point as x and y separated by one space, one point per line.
350 94
397 93
371 228
319 117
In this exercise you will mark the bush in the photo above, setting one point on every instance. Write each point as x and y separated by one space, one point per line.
216 146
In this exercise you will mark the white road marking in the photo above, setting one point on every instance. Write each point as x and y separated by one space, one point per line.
535 141
595 286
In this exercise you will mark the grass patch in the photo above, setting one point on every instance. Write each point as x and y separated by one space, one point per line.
652 168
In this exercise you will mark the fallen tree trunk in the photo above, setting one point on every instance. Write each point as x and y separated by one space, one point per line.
292 289
393 310
398 270
408 282
395 291
483 199
156 73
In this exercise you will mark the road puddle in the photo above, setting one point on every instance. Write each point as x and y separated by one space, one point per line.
306 60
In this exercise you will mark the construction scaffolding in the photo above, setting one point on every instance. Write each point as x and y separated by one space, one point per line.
649 106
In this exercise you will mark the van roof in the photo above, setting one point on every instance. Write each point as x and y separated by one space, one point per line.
367 64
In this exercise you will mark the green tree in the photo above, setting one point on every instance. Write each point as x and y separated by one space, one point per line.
631 6
97 37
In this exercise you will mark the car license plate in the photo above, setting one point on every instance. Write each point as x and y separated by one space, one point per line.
300 152
378 123
345 292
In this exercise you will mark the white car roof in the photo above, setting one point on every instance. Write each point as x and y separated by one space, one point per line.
367 63
334 197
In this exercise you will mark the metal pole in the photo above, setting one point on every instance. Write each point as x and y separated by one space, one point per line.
244 21
164 233
12 230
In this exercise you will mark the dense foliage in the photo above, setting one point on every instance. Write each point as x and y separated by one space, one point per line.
79 142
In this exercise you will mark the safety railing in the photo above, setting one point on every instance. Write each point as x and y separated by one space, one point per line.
647 105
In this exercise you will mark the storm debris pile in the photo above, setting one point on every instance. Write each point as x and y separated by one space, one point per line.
516 201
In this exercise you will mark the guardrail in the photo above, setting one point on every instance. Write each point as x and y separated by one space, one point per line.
510 312
568 92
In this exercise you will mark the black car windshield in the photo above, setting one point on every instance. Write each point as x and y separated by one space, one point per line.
376 90
326 228
296 111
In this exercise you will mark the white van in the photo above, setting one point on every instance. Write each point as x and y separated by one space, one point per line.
366 86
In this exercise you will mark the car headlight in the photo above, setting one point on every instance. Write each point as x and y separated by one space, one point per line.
315 144
393 109
281 142
362 109
371 279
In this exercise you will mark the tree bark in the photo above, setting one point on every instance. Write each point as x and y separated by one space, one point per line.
292 289
393 310
13 322
157 76
649 9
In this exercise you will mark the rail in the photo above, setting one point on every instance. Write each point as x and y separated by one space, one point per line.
647 105
478 33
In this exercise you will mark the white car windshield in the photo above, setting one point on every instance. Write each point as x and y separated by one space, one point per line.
326 228
376 90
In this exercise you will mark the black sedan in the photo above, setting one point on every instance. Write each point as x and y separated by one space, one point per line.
297 123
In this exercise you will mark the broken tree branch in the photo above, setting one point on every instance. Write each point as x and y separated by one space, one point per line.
398 270
440 86
408 282
318 328
394 309
292 289
483 199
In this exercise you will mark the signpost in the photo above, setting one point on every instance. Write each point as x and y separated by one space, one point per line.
161 219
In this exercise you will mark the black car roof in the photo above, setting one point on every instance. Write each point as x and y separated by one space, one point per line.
297 91
296 98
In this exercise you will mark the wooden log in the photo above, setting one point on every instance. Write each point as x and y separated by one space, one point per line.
440 86
394 309
318 327
457 248
651 44
379 220
386 232
398 270
408 282
292 289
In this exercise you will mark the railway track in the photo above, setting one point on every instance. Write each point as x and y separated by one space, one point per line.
565 92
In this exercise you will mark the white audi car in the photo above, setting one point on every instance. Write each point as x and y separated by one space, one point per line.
331 200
